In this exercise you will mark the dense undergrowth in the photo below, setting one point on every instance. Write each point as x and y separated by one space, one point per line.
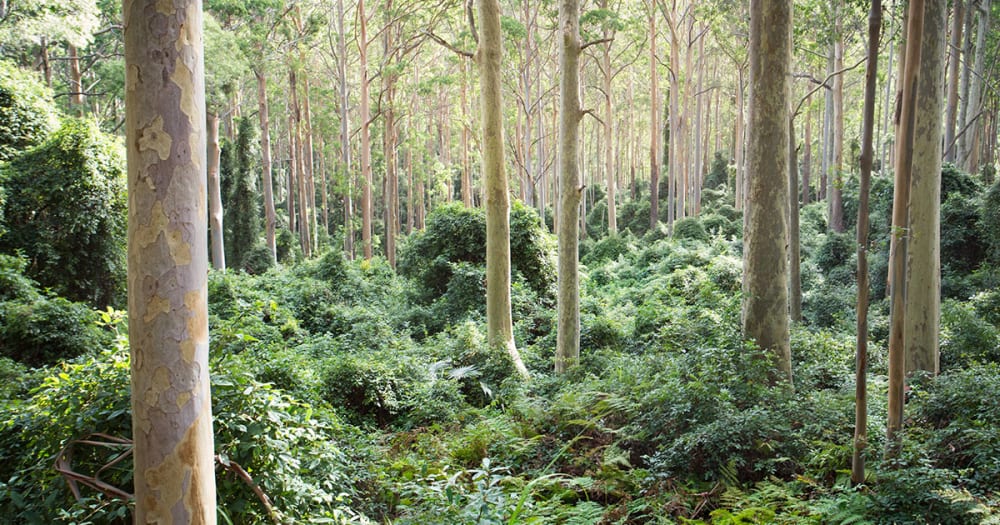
349 392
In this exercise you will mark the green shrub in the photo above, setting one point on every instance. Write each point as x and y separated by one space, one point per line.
966 338
989 223
609 248
47 330
239 171
690 228
27 113
13 283
718 174
65 212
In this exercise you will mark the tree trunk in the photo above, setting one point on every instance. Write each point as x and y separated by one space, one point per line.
975 105
954 72
827 143
905 132
270 218
837 168
308 164
466 167
75 81
806 156
570 113
345 133
609 138
366 143
654 116
740 151
300 163
765 263
168 263
794 255
923 265
500 326
215 194
867 154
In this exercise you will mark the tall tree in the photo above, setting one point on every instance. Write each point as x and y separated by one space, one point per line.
905 132
765 264
570 187
270 217
967 144
923 253
215 194
366 144
167 263
345 132
864 188
955 50
499 320
654 115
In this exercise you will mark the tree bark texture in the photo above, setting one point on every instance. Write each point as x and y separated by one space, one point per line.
966 152
794 253
366 142
571 186
837 167
215 194
500 326
168 263
923 252
954 72
765 264
654 116
905 132
864 189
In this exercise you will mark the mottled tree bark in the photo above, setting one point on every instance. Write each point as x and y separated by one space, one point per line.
168 263
571 187
923 264
765 264
500 326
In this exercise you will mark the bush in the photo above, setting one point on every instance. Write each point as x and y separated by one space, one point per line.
48 330
27 113
65 212
609 248
690 228
989 223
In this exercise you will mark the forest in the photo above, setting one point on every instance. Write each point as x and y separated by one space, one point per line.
499 262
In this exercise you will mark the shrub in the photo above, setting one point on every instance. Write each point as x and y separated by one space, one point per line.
65 211
690 228
966 339
27 113
239 172
989 223
609 248
13 284
47 330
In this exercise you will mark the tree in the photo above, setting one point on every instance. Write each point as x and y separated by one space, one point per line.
905 131
867 156
27 114
215 213
968 140
765 265
500 326
923 250
570 187
65 212
168 262
242 205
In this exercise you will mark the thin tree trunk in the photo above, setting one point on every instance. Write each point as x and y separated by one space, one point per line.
75 81
270 218
215 194
301 178
500 328
345 133
806 156
308 164
366 146
837 168
173 452
923 265
954 72
609 138
738 139
867 154
654 134
794 255
466 167
971 125
900 223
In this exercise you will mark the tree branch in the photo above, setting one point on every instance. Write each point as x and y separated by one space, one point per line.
595 42
446 44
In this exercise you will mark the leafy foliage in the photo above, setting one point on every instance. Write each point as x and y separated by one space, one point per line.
27 114
239 172
65 212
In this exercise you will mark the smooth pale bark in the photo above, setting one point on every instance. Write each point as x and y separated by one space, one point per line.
308 163
366 142
270 217
975 104
923 264
965 78
609 137
499 321
345 133
290 193
174 471
740 143
570 113
864 188
75 80
324 200
794 255
954 72
215 194
905 132
837 167
806 155
827 142
654 128
299 162
765 263
466 167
